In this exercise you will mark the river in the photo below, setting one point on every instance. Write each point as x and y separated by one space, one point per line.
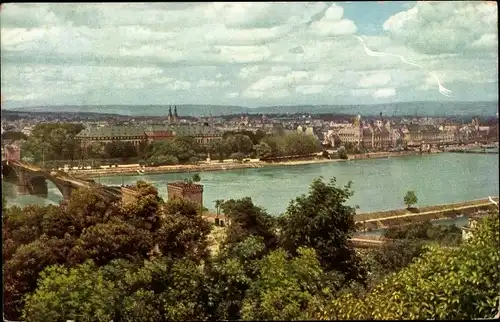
378 184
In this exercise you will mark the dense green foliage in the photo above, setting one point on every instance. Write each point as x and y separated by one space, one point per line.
444 283
292 144
54 145
13 136
409 242
322 221
90 228
172 151
449 235
53 141
151 260
119 149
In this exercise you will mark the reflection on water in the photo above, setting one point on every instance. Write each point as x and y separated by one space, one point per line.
14 199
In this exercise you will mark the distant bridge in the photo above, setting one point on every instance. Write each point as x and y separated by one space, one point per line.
32 180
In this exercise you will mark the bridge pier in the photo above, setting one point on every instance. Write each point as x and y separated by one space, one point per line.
66 191
22 184
22 189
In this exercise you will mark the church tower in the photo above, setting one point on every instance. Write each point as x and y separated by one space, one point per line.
170 116
176 116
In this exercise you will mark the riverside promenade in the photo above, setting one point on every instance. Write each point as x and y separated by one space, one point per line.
384 219
134 169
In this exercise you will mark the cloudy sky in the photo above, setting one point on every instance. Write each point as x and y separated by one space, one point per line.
251 54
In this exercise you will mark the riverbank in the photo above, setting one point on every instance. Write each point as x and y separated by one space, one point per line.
222 166
401 217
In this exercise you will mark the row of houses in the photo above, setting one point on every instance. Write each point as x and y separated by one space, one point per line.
202 134
380 135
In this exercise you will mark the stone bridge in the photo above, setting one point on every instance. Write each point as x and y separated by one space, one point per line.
32 180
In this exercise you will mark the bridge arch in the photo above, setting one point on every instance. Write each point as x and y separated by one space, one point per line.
37 186
9 173
34 181
39 180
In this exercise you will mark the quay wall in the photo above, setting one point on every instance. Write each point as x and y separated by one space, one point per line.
403 220
399 212
382 155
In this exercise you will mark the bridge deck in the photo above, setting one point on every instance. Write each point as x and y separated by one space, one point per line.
66 177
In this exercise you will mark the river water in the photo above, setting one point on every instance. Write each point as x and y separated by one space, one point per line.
378 184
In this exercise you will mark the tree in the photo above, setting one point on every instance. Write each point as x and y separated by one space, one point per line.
53 141
246 219
443 234
13 136
20 272
182 148
160 160
196 177
219 148
184 232
322 221
164 289
146 212
445 283
293 144
107 241
263 150
284 287
394 256
239 143
237 156
229 276
88 227
120 150
410 198
81 293
160 289
194 160
342 153
218 205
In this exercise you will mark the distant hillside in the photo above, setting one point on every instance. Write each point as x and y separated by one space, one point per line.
391 109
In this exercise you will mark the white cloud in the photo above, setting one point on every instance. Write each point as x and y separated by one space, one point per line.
204 83
178 85
310 89
242 53
332 23
247 71
374 80
384 93
446 26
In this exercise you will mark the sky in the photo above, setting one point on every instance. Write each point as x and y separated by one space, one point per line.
247 54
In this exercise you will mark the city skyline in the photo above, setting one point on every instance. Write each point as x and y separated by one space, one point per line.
255 54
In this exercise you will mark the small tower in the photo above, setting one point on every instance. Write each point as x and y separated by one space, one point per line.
170 116
176 116
187 191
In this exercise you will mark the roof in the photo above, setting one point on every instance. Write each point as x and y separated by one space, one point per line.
112 131
154 130
194 130
367 131
186 186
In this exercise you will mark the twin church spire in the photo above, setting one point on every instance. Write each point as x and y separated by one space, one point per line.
175 116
